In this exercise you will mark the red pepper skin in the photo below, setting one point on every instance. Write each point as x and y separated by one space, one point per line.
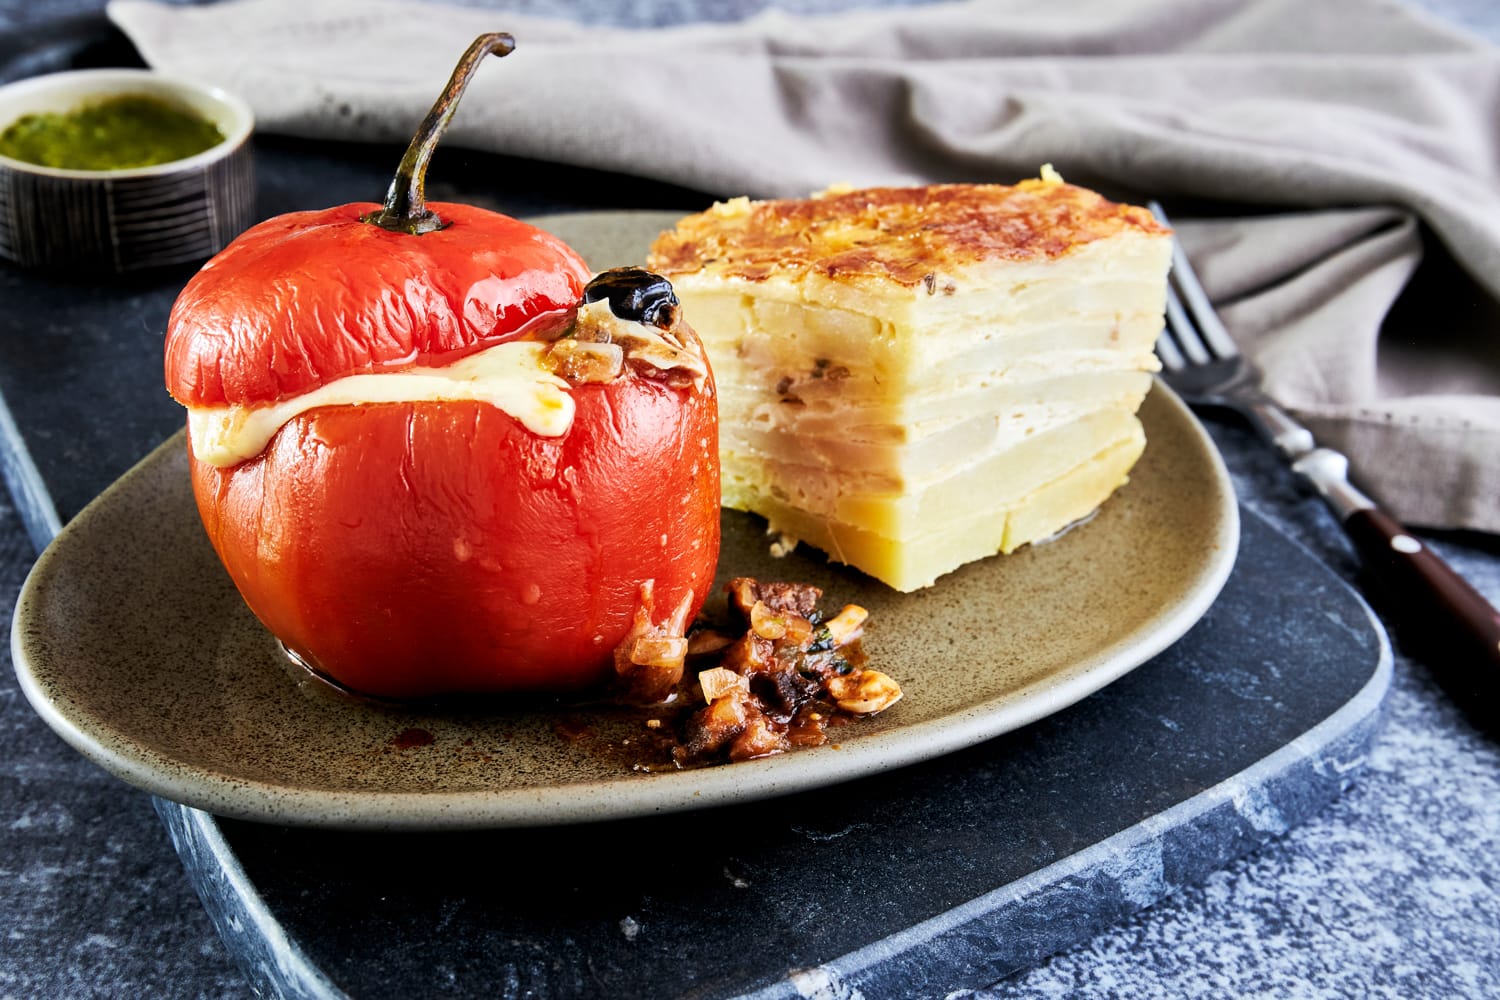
305 298
427 548
437 547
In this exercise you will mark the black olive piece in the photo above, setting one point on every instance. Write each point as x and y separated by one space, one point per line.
784 691
635 294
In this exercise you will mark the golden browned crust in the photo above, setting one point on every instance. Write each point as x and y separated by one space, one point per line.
905 235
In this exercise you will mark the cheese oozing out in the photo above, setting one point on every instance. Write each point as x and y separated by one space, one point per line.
509 376
519 377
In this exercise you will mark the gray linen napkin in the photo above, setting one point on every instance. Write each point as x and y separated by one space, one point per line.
1341 127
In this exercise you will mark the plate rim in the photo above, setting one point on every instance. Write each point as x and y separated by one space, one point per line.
255 799
582 802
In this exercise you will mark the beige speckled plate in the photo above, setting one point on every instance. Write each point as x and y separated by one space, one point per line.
132 643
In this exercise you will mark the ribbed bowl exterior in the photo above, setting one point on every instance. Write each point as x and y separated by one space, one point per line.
120 224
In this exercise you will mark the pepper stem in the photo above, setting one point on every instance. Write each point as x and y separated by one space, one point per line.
405 209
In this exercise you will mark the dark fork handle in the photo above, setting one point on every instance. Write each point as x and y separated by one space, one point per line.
1429 592
1412 572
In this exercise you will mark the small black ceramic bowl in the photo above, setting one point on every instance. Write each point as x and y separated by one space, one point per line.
93 221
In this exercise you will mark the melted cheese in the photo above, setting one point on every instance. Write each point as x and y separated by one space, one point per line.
511 377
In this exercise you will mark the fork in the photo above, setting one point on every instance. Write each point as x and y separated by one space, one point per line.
1201 362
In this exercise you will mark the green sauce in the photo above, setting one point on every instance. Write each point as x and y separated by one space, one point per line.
114 134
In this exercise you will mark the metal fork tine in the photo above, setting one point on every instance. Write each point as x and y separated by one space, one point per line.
1181 336
1205 319
1166 348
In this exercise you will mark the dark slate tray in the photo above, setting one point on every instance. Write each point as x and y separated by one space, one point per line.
946 875
915 883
